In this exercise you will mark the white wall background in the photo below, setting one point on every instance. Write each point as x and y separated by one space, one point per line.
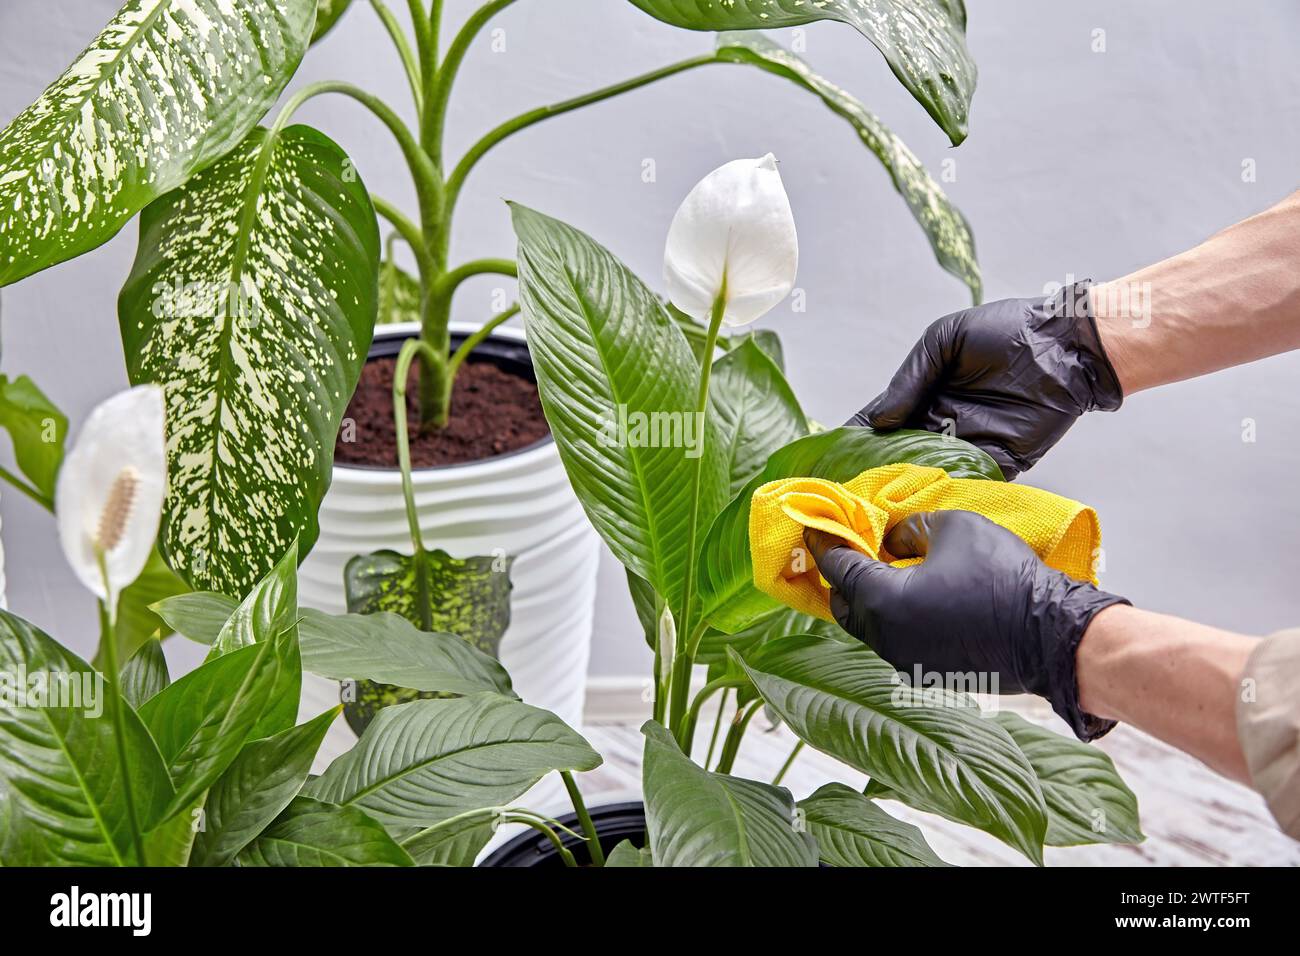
1078 162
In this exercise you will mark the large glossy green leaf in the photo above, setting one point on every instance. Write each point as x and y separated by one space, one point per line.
386 648
454 842
36 428
429 760
252 301
202 720
944 225
698 818
312 833
144 675
934 747
755 409
197 615
167 87
327 14
609 358
260 783
1087 801
852 831
61 778
924 41
726 575
467 597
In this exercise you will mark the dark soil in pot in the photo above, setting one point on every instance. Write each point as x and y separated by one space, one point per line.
495 409
614 822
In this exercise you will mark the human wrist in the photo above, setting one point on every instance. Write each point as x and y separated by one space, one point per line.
1073 611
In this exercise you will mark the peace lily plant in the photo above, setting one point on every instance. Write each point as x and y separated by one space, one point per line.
214 770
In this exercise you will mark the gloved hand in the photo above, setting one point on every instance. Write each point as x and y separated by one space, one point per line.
981 602
1011 377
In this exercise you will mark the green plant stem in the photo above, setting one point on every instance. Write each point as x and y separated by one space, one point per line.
458 357
456 180
449 281
408 229
789 762
409 61
434 119
687 732
735 733
717 726
26 489
542 827
426 44
410 348
687 640
108 650
588 827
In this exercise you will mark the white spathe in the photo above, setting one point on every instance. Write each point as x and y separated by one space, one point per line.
735 224
110 490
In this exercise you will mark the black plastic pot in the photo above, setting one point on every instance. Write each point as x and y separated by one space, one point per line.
614 823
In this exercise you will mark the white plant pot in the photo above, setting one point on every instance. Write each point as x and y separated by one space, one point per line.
520 503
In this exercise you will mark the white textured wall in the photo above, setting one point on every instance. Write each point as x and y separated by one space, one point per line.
1078 162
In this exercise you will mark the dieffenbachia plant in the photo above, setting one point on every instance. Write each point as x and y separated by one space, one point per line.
258 276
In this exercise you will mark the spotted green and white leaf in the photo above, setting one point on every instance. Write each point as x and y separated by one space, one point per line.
1087 801
946 228
756 411
612 366
252 791
935 750
144 675
252 301
166 88
427 761
197 615
399 295
327 14
454 842
923 41
698 818
852 831
64 798
312 833
37 429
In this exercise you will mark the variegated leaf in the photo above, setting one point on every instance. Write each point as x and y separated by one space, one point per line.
399 294
924 41
327 14
946 228
252 301
166 88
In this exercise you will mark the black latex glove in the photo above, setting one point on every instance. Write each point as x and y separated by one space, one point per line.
981 602
1009 376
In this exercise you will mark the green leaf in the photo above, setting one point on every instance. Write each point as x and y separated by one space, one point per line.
924 41
198 615
454 842
468 597
169 86
625 854
755 409
386 648
399 295
852 831
137 623
933 748
270 608
202 720
312 833
144 675
726 575
698 818
770 343
607 353
429 760
171 842
252 302
36 428
327 14
60 774
944 225
260 783
1087 801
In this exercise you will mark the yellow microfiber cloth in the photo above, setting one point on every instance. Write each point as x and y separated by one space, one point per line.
1064 533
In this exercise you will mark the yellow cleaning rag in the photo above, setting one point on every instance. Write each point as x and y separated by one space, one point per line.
1064 533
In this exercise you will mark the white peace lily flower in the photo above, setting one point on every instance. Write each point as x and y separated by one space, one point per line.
109 495
733 235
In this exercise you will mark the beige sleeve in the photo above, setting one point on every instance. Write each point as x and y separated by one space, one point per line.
1268 725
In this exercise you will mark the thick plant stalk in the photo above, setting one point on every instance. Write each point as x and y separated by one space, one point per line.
588 827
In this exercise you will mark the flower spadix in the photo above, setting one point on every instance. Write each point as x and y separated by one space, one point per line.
733 236
109 494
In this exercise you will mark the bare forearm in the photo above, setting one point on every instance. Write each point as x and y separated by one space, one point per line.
1174 679
1233 299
